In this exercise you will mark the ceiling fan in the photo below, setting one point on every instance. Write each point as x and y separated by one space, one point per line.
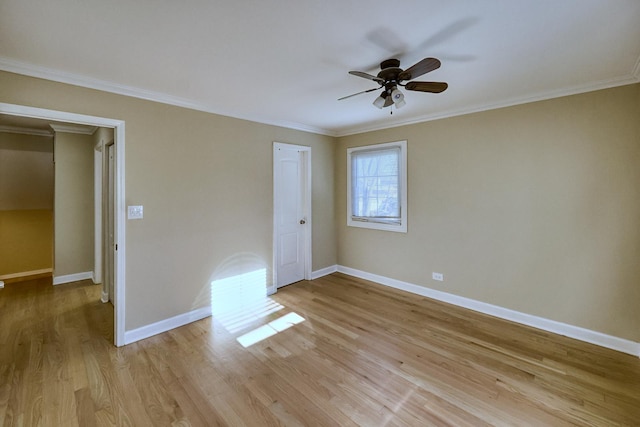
391 76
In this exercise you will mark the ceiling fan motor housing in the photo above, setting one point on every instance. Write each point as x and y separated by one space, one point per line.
389 71
389 63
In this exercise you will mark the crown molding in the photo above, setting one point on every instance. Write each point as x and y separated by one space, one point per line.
26 131
17 67
31 70
574 90
69 128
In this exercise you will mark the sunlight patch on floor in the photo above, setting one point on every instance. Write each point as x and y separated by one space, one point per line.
240 300
239 318
280 324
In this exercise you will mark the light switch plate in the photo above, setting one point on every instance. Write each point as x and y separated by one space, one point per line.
134 212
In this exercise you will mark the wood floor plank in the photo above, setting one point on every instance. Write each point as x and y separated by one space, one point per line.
198 410
86 413
363 355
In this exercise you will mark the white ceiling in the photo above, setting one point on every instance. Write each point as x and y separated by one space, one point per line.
285 62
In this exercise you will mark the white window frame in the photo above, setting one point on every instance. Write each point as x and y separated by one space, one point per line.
402 181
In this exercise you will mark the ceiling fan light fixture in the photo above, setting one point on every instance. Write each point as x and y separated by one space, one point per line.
401 103
397 96
379 101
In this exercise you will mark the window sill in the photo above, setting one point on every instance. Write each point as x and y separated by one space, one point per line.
398 228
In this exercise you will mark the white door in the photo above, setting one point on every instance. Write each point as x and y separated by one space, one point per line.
291 213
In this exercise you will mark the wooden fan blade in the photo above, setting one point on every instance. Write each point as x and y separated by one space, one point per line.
367 76
434 87
422 67
359 93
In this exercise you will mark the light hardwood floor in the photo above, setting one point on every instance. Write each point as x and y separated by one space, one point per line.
364 355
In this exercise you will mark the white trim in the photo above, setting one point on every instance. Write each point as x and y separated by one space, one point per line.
31 70
97 214
166 325
119 132
120 221
543 96
23 68
80 130
576 332
308 238
307 208
67 278
26 274
43 113
104 297
26 131
324 272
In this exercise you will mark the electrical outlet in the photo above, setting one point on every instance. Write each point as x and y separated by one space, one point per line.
437 276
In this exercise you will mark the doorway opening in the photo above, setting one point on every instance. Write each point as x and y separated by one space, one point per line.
117 270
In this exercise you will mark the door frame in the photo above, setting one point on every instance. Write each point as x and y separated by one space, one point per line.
120 217
306 187
97 210
107 178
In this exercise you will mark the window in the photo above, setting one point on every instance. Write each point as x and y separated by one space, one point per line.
377 186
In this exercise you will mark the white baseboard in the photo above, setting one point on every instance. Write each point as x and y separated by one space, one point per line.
323 272
67 278
186 318
166 325
576 332
104 297
26 274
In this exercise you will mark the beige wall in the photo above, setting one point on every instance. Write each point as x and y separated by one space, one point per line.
74 204
205 182
535 208
26 242
26 203
26 172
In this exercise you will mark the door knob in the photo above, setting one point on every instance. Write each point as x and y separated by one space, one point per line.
302 221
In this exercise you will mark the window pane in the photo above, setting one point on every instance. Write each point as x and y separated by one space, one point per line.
375 190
